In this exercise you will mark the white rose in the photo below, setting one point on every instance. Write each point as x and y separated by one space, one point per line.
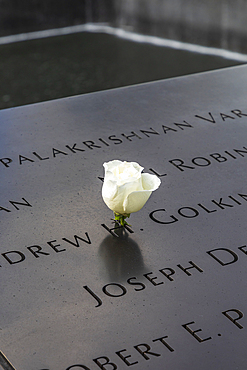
126 189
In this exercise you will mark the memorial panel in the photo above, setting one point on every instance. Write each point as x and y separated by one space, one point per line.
167 292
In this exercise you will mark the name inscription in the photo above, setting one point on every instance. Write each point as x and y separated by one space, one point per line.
160 215
155 348
165 275
100 143
146 350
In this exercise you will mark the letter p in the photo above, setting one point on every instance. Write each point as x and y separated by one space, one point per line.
6 161
231 317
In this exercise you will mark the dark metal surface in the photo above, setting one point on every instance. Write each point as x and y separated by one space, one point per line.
81 302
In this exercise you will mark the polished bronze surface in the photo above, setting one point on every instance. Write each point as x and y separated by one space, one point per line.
169 291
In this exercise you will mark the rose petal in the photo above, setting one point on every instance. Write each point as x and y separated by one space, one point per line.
150 182
136 200
109 190
114 199
109 166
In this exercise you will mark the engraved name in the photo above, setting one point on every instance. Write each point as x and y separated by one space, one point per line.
97 144
161 346
164 276
14 257
160 215
205 161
